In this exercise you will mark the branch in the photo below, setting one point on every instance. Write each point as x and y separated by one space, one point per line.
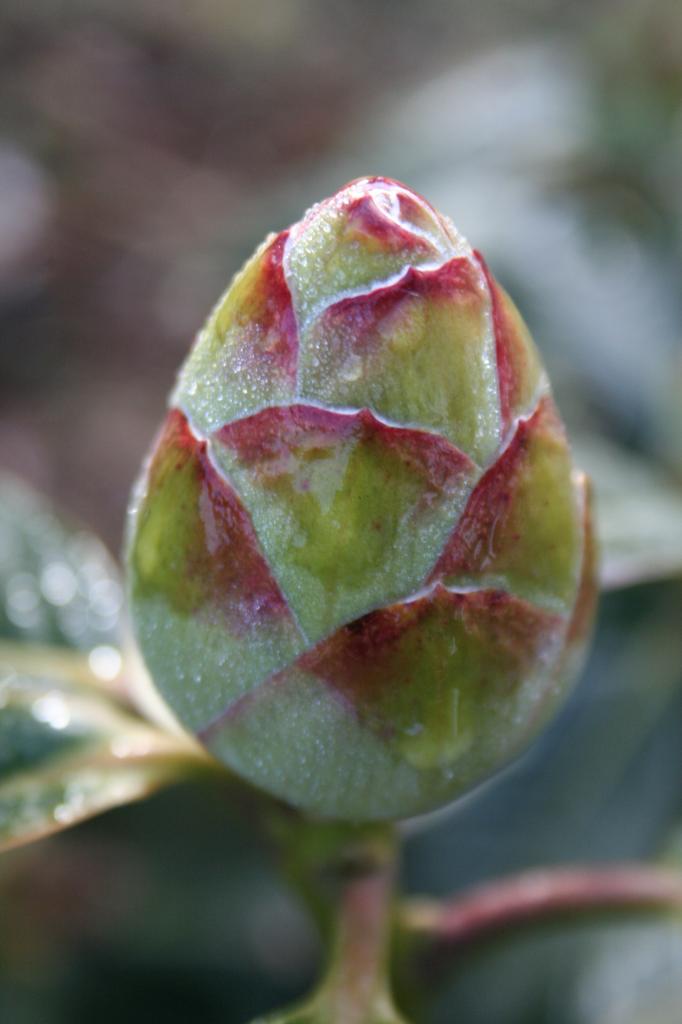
435 931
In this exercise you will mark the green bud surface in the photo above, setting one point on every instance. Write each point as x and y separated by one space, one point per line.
360 559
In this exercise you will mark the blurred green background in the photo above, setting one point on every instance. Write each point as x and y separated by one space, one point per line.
145 148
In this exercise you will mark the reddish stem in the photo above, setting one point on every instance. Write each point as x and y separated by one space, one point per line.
535 896
357 980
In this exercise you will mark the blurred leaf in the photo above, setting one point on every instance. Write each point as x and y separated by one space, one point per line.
68 749
631 976
61 604
58 584
639 515
68 752
628 971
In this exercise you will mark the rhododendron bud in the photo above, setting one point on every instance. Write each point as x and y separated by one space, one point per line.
360 559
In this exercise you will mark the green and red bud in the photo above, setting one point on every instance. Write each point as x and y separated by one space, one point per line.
360 557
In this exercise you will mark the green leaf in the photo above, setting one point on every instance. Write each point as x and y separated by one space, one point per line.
68 752
639 515
58 584
69 748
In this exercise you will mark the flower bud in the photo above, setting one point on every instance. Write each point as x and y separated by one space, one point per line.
360 558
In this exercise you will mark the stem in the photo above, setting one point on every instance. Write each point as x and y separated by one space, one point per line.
355 990
346 875
437 932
